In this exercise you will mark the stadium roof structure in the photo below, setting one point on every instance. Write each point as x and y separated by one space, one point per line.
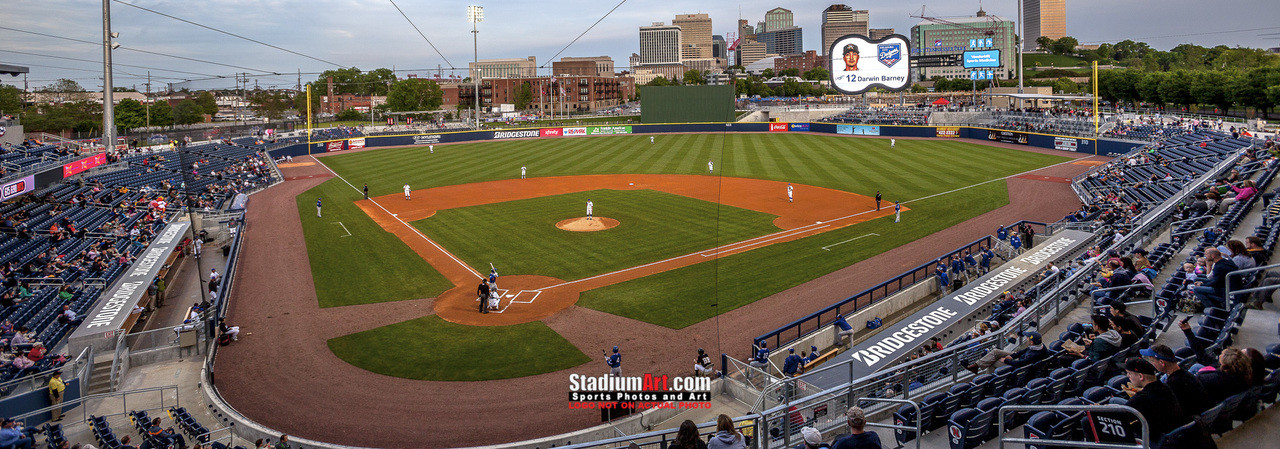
15 70
1043 97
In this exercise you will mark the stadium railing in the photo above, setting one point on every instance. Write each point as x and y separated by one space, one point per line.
41 379
160 396
1144 443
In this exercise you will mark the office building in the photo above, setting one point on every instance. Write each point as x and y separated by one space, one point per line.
879 33
695 35
659 44
778 19
719 48
839 20
786 41
589 66
930 38
750 51
504 68
1044 18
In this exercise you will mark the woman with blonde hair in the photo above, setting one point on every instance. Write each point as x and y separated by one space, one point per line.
726 436
1233 375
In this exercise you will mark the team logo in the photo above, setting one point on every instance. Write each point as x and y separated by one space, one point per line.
937 43
889 54
955 433
1 131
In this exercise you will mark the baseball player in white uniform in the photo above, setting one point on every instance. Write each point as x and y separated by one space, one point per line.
710 167
893 143
897 211
590 205
790 191
432 148
650 139
406 191
522 171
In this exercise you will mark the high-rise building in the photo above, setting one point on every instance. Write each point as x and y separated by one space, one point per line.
718 46
953 38
839 20
786 41
1044 18
750 51
659 44
778 19
504 68
695 35
878 33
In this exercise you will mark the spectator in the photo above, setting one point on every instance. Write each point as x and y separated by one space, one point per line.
1105 343
1258 364
11 435
1239 254
1034 352
1212 290
1126 321
726 437
1243 194
858 437
1184 385
56 388
68 316
283 443
165 436
812 438
1153 399
1233 375
124 443
687 437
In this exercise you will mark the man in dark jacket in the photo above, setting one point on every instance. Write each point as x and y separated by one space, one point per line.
1185 387
1212 290
1032 354
483 292
1153 399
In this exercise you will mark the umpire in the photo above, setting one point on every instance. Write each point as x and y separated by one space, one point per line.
483 292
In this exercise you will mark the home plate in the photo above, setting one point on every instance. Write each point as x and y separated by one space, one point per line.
818 222
511 296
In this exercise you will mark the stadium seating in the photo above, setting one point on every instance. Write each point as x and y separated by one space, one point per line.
884 116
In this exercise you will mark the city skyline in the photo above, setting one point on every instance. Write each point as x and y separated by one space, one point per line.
370 34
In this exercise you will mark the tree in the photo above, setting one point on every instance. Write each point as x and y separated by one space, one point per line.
918 89
1065 45
1044 43
789 72
767 73
1210 88
1065 86
187 112
659 81
64 91
10 99
693 78
161 114
350 115
130 114
817 74
300 101
270 104
1149 87
524 95
1251 89
208 104
414 94
1175 88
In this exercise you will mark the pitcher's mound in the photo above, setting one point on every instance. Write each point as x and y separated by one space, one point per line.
582 224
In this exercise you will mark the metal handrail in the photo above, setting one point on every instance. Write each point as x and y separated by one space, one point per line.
1242 273
1144 443
84 410
917 428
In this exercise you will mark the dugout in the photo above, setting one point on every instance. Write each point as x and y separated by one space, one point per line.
686 104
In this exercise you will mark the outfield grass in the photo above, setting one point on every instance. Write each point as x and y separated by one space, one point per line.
521 237
914 169
371 265
431 348
669 299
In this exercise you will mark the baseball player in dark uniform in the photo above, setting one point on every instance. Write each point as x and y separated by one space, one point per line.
483 292
877 200
614 362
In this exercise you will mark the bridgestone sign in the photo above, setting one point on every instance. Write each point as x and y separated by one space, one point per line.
117 302
897 341
515 134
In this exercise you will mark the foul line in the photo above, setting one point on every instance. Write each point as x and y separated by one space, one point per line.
415 230
745 244
344 228
850 240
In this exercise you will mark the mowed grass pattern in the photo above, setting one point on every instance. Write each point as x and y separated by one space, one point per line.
369 265
430 348
520 237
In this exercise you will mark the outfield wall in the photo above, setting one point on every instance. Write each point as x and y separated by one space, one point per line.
1105 147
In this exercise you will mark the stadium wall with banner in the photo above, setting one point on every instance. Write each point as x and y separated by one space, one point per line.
686 104
1084 145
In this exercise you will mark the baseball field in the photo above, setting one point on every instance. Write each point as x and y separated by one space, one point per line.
689 243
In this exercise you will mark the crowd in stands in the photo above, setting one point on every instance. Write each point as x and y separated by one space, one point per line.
1050 120
1156 127
885 116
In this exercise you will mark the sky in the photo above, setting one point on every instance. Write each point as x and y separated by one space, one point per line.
372 33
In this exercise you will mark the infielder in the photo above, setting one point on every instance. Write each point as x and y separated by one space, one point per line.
710 167
406 191
522 171
590 205
614 362
897 211
790 190
317 207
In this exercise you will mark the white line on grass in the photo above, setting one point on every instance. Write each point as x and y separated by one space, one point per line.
827 248
780 235
344 228
411 228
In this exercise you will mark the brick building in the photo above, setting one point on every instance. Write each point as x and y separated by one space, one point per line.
805 62
581 93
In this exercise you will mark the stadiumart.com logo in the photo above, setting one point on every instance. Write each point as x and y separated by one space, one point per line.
640 392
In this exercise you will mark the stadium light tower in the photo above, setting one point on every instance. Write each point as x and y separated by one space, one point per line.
108 105
475 14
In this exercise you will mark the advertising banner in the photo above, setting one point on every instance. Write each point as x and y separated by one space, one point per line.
429 139
516 134
859 64
73 168
1066 144
866 130
334 146
571 132
986 59
17 187
608 130
948 131
549 132
799 126
844 129
355 144
1007 136
776 127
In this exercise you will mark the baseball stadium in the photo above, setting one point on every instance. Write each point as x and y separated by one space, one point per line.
690 267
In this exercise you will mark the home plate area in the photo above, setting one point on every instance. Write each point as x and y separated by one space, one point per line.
521 297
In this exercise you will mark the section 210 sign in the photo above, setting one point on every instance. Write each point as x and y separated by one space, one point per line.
859 63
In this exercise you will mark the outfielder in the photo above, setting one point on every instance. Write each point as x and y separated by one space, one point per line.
406 191
317 207
432 148
893 143
650 139
790 194
590 205
614 362
897 211
522 171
